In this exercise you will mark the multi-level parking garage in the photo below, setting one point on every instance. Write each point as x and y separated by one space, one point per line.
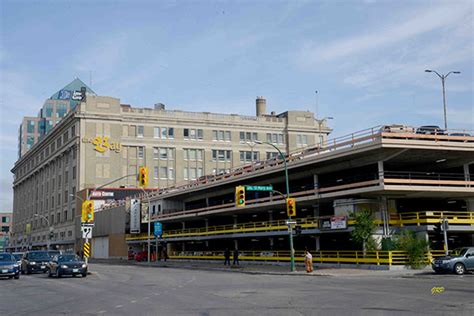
409 181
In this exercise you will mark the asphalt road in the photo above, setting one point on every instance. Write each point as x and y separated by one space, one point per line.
133 290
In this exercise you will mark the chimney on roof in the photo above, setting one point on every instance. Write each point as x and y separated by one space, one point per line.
261 104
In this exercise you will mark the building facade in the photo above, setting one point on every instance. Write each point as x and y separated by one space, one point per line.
33 128
5 229
101 140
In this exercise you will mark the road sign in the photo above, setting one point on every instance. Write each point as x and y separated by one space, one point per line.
87 224
259 188
86 232
87 249
290 222
158 229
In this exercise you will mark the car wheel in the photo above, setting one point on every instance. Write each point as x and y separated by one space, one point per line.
17 276
84 275
459 269
58 275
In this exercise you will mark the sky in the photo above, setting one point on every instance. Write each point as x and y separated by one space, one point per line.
360 62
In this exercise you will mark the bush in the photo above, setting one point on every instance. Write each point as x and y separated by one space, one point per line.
414 246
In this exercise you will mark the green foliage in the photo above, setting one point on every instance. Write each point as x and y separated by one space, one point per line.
414 246
364 228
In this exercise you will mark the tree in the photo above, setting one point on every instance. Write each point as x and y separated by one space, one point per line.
364 228
414 246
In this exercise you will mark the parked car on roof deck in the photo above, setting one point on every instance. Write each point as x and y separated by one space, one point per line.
430 130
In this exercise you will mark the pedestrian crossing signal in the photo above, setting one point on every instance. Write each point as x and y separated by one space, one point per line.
87 211
290 207
143 177
240 196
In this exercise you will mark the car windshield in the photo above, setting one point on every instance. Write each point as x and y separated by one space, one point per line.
38 255
6 257
53 253
17 256
68 258
459 252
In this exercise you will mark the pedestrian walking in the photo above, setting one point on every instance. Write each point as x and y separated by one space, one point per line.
227 256
165 254
236 257
308 261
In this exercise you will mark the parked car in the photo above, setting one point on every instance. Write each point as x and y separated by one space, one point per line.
35 261
18 256
67 264
141 256
397 128
459 261
8 266
430 130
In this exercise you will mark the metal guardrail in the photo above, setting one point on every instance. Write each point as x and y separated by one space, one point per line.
402 219
330 256
346 141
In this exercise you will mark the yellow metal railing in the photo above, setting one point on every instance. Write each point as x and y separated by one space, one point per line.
330 256
402 219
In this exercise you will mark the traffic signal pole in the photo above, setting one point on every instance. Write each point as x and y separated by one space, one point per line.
287 184
445 232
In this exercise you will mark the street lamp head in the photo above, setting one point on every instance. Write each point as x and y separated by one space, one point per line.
257 142
35 215
456 72
329 118
427 70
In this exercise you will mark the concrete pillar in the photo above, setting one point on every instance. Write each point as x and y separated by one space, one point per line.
318 243
384 215
470 205
381 171
236 244
184 225
270 216
206 224
272 242
316 182
467 175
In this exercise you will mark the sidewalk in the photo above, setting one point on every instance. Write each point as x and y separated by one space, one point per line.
270 269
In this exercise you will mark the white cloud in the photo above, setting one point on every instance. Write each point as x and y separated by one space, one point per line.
420 22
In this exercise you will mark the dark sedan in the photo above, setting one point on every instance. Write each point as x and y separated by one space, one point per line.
8 266
35 261
67 264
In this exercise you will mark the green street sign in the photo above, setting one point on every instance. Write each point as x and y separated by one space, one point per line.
259 188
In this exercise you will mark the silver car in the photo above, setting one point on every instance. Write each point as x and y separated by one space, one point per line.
460 261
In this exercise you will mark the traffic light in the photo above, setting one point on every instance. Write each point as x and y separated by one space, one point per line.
240 196
290 207
87 211
143 177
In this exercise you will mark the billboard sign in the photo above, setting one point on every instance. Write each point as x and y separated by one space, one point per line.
338 222
158 229
135 216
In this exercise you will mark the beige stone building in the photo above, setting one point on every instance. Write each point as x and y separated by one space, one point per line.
102 140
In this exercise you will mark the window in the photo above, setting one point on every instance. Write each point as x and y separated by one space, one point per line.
164 132
30 128
171 133
214 135
140 152
221 155
163 173
193 134
170 173
248 136
190 173
221 135
246 156
193 154
271 155
155 153
227 136
156 132
155 172
164 153
74 172
275 138
140 130
301 140
5 219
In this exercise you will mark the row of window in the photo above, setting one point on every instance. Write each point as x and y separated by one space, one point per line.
198 134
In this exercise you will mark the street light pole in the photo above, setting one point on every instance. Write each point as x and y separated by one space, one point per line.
320 123
287 184
443 79
48 244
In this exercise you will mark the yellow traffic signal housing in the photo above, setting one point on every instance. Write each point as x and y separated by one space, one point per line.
290 207
143 177
87 211
240 196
